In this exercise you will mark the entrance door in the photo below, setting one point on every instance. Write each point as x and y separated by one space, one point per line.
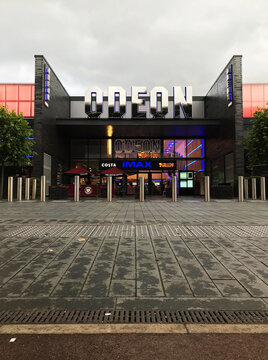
155 187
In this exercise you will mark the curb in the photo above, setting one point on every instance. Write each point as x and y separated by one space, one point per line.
135 328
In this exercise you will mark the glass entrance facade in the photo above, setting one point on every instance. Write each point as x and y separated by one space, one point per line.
167 157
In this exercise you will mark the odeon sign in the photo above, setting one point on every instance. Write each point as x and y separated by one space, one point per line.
158 99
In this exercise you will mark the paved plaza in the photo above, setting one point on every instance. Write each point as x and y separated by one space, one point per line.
132 255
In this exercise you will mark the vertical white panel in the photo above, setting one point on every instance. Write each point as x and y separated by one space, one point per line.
47 170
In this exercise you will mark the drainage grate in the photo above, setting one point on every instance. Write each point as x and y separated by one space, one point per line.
133 317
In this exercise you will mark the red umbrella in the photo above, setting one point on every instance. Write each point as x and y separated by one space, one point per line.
78 171
114 171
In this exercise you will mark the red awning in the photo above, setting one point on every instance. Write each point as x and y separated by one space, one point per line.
114 171
78 171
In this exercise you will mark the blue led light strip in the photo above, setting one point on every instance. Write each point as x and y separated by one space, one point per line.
191 163
189 144
203 148
194 149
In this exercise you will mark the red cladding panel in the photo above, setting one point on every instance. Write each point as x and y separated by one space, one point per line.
257 92
12 92
266 91
254 96
246 108
246 92
2 92
25 108
18 97
32 109
12 105
25 92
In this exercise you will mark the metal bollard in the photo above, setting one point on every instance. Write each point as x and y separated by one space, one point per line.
76 188
109 189
27 189
207 189
19 188
174 188
202 184
254 189
240 188
43 188
246 189
10 189
142 188
263 190
34 189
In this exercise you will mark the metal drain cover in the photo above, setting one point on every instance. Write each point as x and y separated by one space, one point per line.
133 317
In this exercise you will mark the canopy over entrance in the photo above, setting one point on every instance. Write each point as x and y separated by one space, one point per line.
79 171
114 171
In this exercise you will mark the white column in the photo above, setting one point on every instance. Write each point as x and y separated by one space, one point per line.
34 189
254 189
246 189
76 188
263 190
19 188
240 188
27 189
109 189
10 189
142 188
207 189
43 189
174 188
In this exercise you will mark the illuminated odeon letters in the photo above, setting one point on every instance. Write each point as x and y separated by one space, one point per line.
136 101
182 102
129 146
93 102
117 101
159 101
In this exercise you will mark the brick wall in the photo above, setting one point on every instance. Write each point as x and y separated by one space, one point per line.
216 107
47 137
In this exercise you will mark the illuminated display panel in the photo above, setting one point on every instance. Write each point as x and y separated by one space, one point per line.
169 148
186 179
18 97
190 148
195 165
254 96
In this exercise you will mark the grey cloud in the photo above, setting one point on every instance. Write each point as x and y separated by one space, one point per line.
126 42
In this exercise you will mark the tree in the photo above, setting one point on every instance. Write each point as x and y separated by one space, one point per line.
15 141
256 143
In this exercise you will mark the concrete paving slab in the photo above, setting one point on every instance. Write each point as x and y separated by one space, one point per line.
159 254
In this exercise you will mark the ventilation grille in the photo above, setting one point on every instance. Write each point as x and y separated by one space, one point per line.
133 317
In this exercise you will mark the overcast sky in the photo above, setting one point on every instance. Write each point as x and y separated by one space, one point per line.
133 42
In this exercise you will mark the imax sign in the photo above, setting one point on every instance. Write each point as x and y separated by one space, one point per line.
134 165
137 164
158 101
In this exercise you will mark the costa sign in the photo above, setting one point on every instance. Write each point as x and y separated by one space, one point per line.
158 101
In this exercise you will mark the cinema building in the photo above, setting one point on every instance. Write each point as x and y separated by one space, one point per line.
148 132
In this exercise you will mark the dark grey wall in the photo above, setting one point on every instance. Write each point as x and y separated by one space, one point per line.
216 107
47 137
